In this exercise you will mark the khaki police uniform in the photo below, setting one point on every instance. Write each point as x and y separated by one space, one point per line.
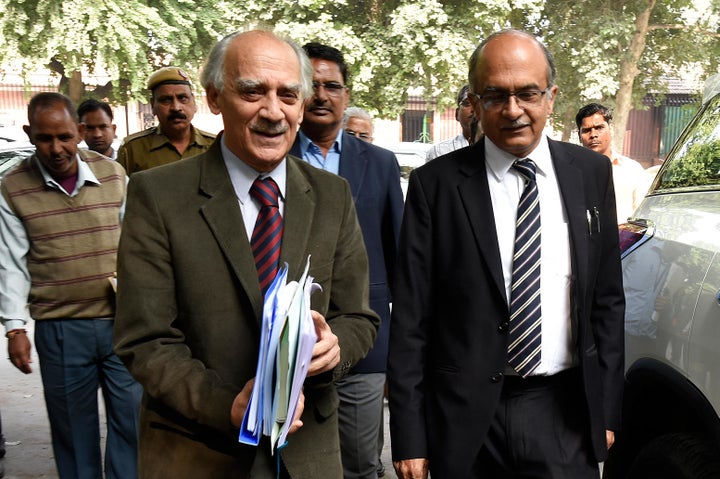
150 148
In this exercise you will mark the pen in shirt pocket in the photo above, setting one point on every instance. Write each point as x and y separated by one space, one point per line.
597 217
589 221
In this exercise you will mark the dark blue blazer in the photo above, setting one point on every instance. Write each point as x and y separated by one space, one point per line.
374 177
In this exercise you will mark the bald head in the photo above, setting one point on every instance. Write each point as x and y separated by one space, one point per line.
256 81
512 83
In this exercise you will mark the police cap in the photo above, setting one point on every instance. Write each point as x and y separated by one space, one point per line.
168 75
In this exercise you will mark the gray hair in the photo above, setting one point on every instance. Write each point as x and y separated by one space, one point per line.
356 112
475 58
214 73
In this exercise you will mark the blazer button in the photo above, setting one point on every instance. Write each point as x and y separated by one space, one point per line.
496 378
503 328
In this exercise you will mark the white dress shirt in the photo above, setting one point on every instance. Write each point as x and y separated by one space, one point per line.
506 187
242 176
630 183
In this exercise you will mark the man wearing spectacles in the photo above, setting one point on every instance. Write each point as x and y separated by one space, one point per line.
358 123
501 367
464 116
374 177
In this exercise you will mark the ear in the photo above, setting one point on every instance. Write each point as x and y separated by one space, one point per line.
552 94
212 95
28 132
81 131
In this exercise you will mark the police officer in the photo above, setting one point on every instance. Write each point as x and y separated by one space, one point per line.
175 137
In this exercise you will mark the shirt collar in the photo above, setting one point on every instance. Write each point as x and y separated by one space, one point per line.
85 175
617 158
305 142
196 138
243 175
500 161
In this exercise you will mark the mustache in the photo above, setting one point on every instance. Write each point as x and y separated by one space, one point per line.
517 124
269 128
177 115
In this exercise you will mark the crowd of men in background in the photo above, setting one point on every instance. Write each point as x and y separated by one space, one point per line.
179 326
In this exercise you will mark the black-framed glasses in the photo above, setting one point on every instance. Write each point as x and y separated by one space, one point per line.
359 134
494 100
332 88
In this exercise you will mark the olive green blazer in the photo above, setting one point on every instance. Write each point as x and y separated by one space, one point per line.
189 312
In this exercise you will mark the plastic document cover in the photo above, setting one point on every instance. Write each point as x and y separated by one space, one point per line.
286 345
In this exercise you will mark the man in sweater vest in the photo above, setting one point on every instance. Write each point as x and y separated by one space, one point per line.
60 216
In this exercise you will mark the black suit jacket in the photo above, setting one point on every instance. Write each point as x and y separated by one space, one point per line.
448 348
374 177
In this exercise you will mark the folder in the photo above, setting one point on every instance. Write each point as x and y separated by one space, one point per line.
287 340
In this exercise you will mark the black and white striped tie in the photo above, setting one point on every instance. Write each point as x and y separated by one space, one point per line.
525 314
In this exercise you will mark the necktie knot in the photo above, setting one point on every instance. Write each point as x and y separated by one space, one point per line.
525 167
266 191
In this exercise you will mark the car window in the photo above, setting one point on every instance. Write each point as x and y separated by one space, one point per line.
694 162
10 158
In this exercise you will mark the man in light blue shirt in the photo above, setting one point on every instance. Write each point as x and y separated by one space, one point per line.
374 177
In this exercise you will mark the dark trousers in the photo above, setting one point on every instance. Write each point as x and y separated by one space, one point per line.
76 357
540 431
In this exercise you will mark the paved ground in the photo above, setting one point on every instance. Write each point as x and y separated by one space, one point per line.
27 432
24 421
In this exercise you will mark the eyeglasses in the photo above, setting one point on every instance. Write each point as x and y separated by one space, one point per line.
332 88
494 100
358 134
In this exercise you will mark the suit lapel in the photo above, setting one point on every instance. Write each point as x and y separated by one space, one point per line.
353 162
571 184
299 212
224 218
475 196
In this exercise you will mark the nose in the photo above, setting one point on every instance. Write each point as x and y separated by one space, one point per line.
512 108
319 93
271 109
56 146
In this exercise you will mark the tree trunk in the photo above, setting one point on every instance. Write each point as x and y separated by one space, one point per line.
628 72
76 87
568 122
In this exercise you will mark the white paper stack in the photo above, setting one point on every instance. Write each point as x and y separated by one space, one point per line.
286 344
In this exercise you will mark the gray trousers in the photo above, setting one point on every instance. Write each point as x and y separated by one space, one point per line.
360 422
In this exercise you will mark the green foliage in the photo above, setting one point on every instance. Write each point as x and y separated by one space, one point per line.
391 47
697 159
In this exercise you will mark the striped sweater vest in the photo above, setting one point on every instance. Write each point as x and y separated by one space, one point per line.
73 241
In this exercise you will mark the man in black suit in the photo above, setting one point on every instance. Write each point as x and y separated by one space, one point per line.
457 406
374 178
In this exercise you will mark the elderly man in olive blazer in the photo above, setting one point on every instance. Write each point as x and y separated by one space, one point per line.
189 299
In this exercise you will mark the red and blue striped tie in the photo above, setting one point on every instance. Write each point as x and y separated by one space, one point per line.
267 235
525 312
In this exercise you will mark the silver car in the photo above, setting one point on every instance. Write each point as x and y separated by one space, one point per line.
12 153
671 274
